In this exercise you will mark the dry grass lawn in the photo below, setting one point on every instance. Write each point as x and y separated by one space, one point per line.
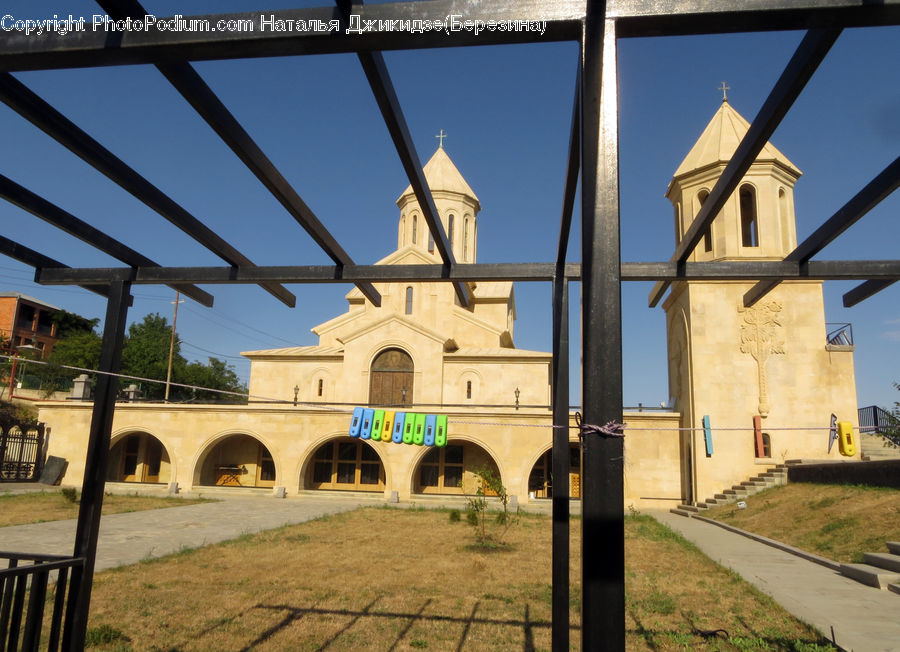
394 579
836 521
18 509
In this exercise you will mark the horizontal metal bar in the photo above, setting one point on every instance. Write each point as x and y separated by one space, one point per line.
34 109
722 16
260 35
65 221
865 290
670 271
809 54
42 567
37 260
861 203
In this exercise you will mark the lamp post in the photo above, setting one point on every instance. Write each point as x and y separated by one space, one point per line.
296 391
517 398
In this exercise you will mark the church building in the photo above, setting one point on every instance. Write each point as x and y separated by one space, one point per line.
750 374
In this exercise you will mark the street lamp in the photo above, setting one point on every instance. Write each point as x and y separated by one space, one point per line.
517 398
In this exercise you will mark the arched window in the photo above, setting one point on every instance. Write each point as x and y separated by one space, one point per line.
391 378
450 230
415 228
468 389
430 243
749 223
466 239
321 386
707 232
409 300
784 221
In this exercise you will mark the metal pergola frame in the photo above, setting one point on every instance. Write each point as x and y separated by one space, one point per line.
593 153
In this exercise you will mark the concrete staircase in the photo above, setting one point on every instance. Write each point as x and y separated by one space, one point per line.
771 477
876 447
881 570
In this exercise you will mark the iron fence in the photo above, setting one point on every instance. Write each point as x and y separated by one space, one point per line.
22 452
24 586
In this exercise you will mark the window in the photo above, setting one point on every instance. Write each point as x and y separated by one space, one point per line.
466 239
450 230
749 225
346 464
468 389
415 225
321 386
430 243
409 300
441 471
707 232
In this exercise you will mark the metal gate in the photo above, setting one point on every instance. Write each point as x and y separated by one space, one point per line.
21 451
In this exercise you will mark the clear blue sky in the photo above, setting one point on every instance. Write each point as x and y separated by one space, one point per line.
507 112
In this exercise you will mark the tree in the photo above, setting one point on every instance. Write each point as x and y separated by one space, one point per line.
69 324
146 353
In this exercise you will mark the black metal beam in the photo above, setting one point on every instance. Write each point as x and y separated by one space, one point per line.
686 17
603 524
865 290
812 49
197 92
34 109
53 214
88 528
744 270
38 260
573 167
383 89
864 201
261 38
560 468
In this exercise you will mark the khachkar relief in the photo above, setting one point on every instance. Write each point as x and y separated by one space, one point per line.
760 337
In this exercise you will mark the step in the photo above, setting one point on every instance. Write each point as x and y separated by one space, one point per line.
680 512
739 492
715 502
753 483
884 560
773 475
870 575
693 508
722 497
894 587
894 547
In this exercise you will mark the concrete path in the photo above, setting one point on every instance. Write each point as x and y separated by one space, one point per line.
864 619
131 537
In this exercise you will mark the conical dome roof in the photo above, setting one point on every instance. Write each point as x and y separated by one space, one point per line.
721 138
442 175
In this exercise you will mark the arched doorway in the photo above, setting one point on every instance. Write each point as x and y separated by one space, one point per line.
138 457
345 464
451 469
391 378
540 480
238 461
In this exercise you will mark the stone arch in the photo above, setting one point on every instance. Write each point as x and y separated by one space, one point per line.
702 195
337 462
540 474
469 375
235 458
449 469
137 455
748 209
321 385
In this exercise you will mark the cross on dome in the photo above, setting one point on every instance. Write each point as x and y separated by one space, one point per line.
440 138
724 90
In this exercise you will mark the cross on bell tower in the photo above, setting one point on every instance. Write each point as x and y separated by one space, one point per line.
724 90
440 138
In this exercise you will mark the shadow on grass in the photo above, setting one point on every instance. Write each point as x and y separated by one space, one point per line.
294 613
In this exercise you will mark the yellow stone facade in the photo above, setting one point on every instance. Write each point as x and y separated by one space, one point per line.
420 351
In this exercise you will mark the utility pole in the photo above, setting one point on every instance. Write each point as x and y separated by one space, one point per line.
172 346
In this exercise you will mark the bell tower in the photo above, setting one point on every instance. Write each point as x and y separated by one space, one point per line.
457 206
766 376
757 221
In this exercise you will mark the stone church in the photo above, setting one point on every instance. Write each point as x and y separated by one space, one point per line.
756 376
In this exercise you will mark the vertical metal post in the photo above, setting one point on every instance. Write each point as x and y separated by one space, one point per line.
92 487
560 463
603 538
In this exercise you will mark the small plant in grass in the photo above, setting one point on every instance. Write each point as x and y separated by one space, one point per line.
69 493
476 514
455 516
103 635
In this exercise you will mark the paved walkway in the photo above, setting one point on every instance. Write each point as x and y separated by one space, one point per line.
864 619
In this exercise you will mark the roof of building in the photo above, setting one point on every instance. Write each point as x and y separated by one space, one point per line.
296 352
442 175
721 138
19 295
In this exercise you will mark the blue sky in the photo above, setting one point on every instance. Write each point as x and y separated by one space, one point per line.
506 111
